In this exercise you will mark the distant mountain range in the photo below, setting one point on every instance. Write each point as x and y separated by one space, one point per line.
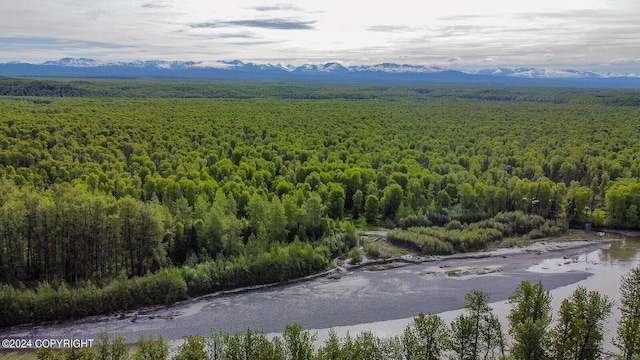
329 72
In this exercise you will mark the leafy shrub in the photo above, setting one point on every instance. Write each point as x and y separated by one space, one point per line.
456 237
421 242
373 250
413 221
519 223
454 225
355 255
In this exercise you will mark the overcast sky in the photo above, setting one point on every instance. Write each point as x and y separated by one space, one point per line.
600 35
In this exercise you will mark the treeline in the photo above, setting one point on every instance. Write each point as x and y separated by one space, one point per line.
577 333
23 87
70 233
59 301
185 89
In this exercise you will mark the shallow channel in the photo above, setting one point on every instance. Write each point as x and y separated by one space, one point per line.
603 267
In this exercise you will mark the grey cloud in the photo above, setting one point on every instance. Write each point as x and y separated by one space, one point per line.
256 42
244 35
279 24
454 60
276 7
31 43
390 28
625 61
535 16
154 5
460 31
461 17
479 30
563 15
275 24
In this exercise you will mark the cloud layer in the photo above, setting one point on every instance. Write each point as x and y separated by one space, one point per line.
588 34
280 24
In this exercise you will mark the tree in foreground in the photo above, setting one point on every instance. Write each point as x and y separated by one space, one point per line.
628 335
579 331
529 319
463 333
111 348
216 346
367 347
249 345
331 349
150 349
427 337
193 348
478 333
298 343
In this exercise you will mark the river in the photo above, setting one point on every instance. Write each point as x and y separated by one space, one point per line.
602 269
380 301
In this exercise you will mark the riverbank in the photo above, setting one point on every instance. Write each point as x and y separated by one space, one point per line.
359 296
604 267
574 240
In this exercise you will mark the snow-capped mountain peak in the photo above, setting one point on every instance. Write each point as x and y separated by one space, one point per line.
334 70
399 68
537 73
329 67
76 62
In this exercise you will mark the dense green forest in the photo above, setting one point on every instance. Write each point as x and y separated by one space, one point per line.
113 192
177 88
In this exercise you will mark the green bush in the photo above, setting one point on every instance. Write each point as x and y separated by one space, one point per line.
373 250
414 221
453 225
355 255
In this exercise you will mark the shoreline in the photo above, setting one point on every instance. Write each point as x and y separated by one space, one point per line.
468 266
